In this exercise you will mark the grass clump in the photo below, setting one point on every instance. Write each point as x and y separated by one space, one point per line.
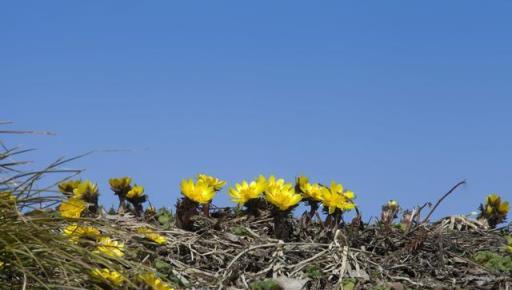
70 246
496 262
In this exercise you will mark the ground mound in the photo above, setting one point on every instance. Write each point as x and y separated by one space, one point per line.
52 240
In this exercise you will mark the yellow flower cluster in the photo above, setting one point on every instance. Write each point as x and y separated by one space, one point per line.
285 196
151 280
332 198
121 184
75 232
335 197
83 192
152 235
494 210
137 192
244 191
113 277
203 190
281 194
110 247
122 187
494 205
277 192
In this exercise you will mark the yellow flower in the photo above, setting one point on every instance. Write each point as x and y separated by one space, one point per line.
72 208
150 210
120 184
336 187
335 198
199 192
349 195
313 191
302 181
7 198
308 190
243 192
493 204
331 200
216 183
393 204
152 235
154 282
494 210
75 232
136 192
68 186
86 191
105 274
489 209
261 183
281 194
1 264
273 183
110 247
503 208
493 199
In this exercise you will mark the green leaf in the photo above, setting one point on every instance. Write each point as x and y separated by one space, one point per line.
162 266
239 231
267 284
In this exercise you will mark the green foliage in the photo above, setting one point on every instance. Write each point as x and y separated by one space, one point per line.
494 261
239 231
267 284
162 266
381 287
313 272
238 211
508 246
164 217
112 211
166 270
349 283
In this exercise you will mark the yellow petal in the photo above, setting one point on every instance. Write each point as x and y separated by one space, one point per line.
72 208
503 208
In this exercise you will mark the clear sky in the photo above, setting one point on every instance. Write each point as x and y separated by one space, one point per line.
395 99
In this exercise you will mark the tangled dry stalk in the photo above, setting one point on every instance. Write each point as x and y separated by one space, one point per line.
234 251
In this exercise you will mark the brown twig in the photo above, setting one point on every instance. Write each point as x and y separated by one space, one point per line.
442 198
26 132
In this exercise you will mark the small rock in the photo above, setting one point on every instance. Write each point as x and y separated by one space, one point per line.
396 286
287 283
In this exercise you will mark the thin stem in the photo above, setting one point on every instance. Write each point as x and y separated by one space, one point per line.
442 198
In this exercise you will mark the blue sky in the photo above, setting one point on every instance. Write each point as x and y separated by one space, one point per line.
395 99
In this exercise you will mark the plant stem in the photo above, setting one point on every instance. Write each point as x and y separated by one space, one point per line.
206 209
